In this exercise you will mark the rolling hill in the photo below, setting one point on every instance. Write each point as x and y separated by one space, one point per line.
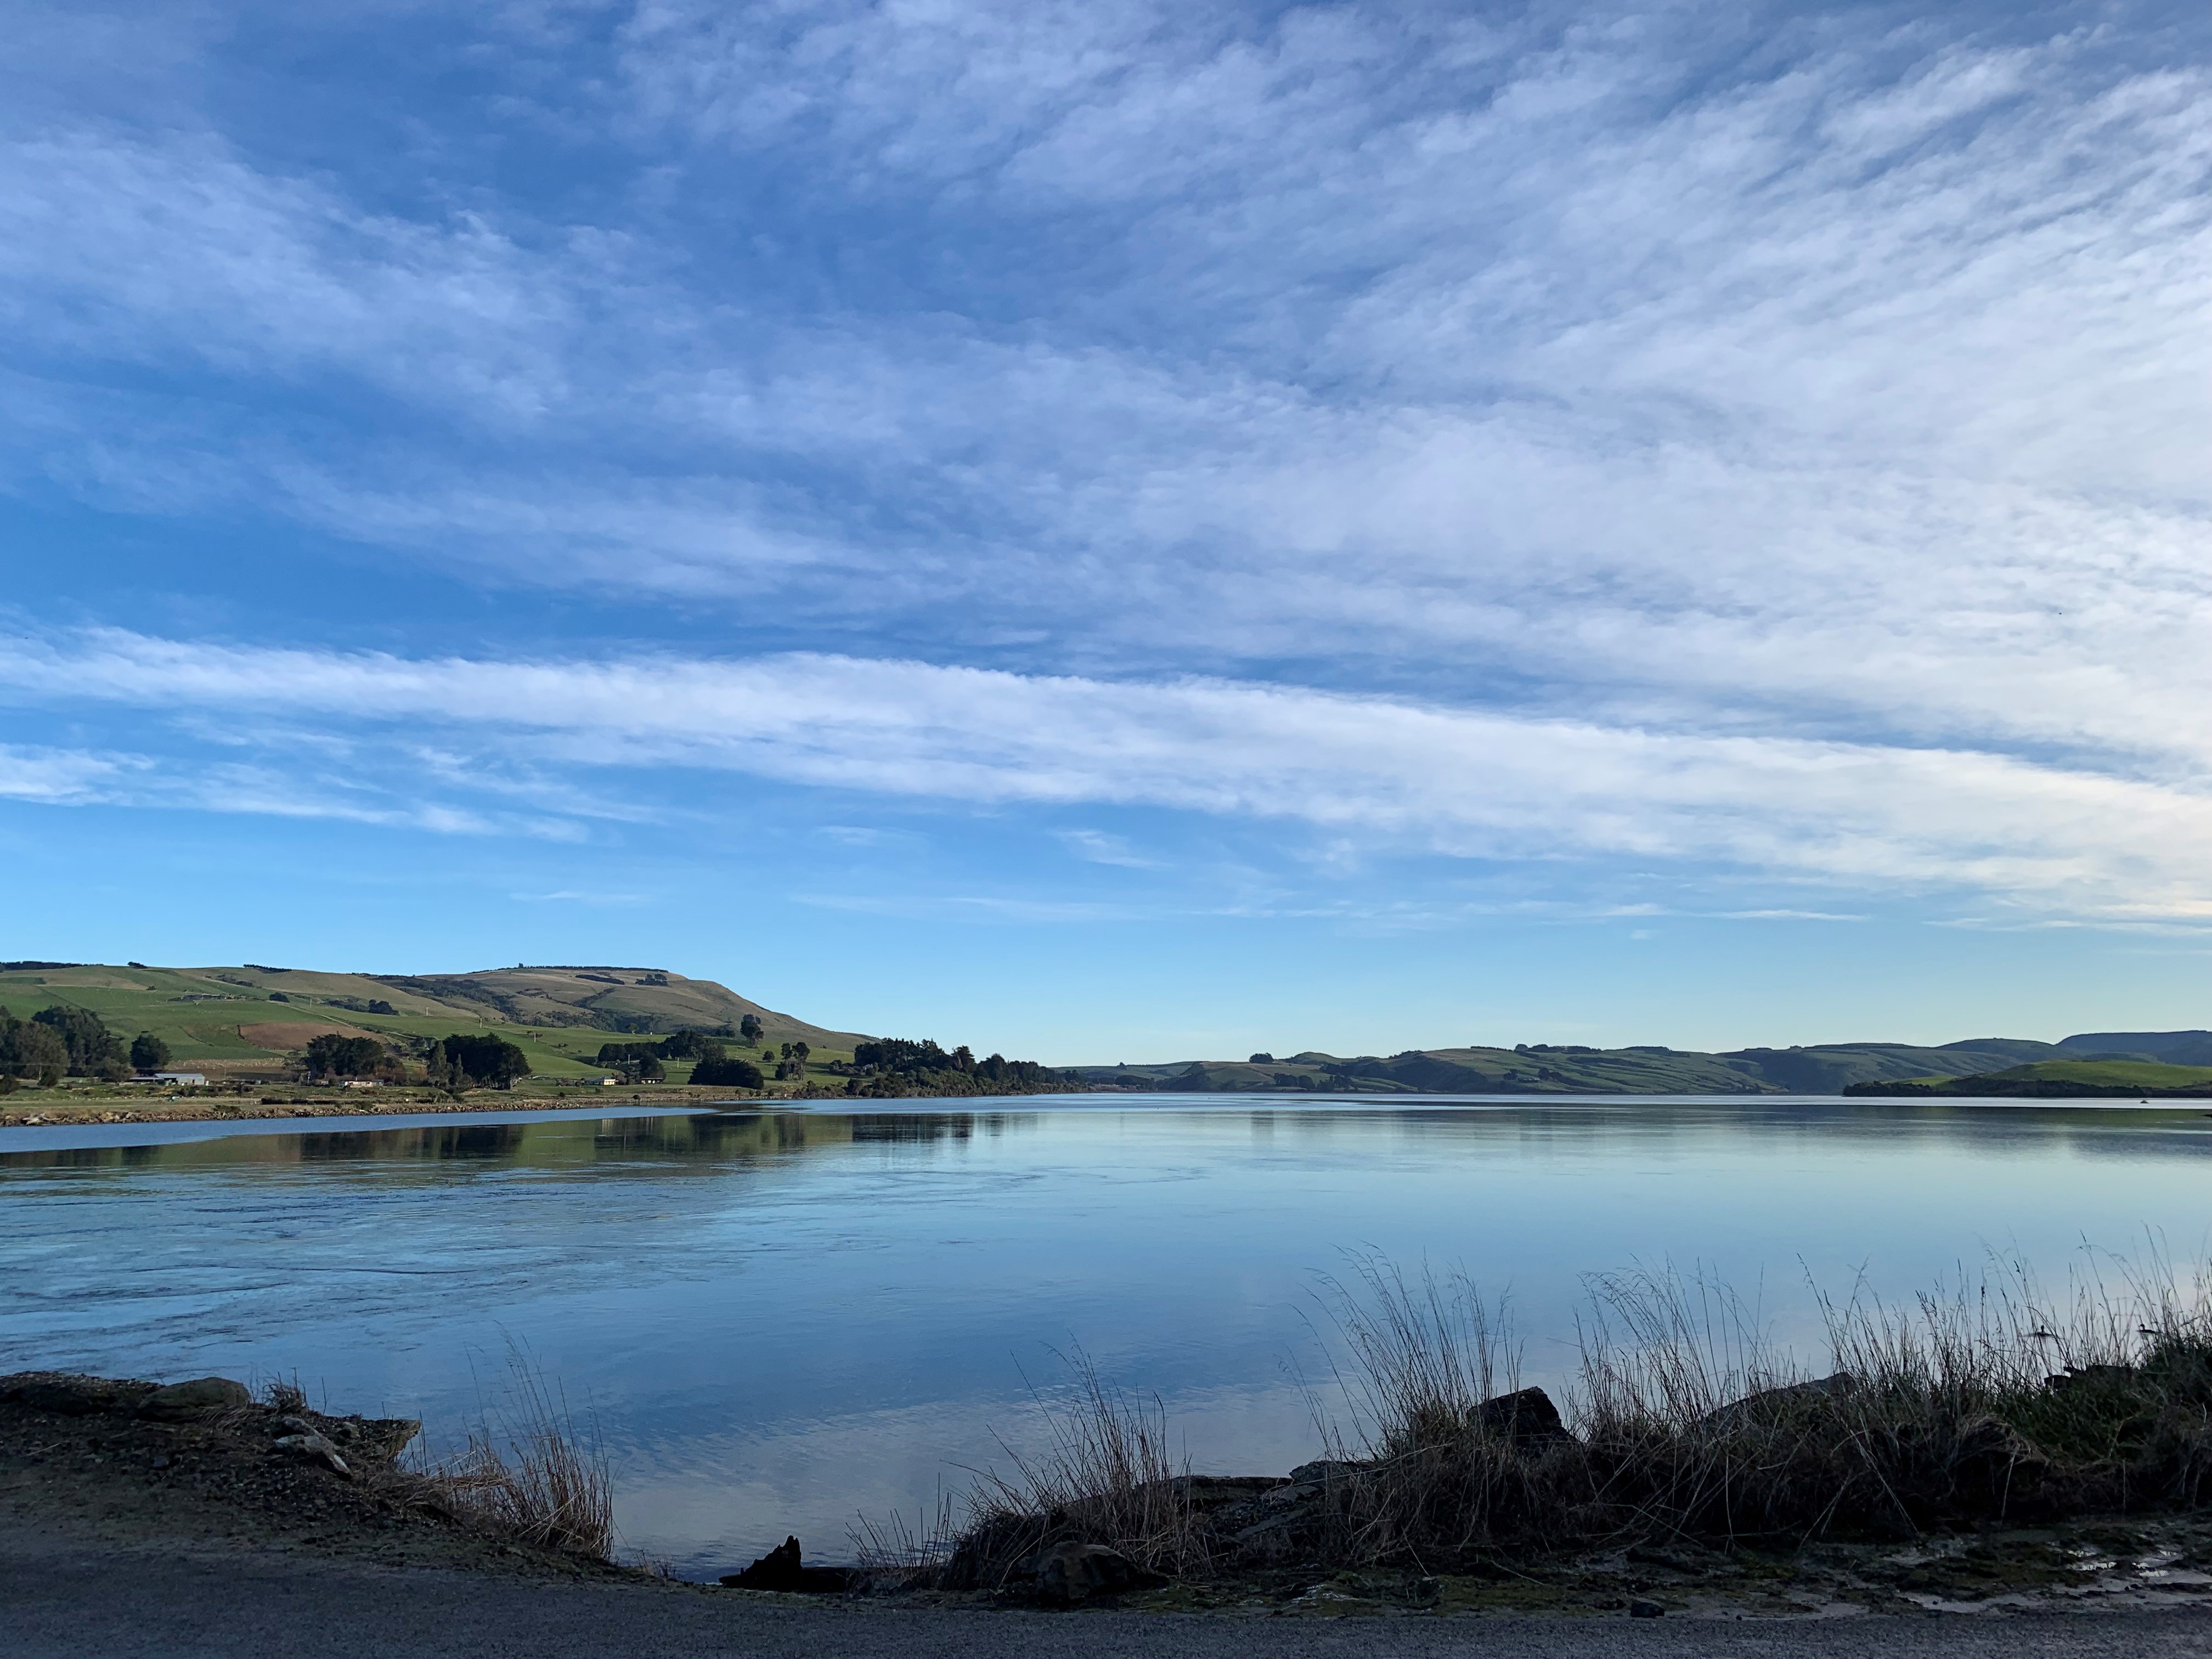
1570 1069
237 1021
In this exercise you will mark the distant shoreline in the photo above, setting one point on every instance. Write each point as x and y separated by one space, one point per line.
615 1104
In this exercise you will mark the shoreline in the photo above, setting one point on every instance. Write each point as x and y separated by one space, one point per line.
274 1107
93 1462
116 1111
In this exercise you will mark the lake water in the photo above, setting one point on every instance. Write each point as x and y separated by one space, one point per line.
779 1320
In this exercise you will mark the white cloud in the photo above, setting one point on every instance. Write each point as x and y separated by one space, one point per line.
61 777
1102 846
1466 782
1798 466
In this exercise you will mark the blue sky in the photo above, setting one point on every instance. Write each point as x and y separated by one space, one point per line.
1121 531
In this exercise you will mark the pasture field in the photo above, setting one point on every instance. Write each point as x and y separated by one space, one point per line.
225 1019
2110 1073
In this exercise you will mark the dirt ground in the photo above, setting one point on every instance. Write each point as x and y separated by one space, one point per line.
117 1480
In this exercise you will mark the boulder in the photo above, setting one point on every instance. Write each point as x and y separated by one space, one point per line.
1790 1400
183 1400
780 1568
1325 1472
1525 1420
1071 1573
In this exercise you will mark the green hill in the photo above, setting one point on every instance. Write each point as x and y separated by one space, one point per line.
1537 1069
252 1018
2064 1079
1829 1068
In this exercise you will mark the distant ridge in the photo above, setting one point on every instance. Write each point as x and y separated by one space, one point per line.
1540 1068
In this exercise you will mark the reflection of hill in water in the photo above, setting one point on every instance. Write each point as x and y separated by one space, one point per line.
676 1146
631 1146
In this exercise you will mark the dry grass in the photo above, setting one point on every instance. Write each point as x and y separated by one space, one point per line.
1983 1400
1107 1476
526 1472
897 1555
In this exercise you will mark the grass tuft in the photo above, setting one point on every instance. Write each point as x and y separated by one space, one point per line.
527 1473
1107 1477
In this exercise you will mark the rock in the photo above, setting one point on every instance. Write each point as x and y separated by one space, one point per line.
70 1395
781 1570
1645 1608
1793 1398
315 1449
1525 1420
181 1401
1071 1573
1325 1471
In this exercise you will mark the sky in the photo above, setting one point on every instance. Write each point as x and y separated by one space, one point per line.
1124 530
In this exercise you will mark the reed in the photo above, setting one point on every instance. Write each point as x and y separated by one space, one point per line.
1107 1476
1981 1399
526 1472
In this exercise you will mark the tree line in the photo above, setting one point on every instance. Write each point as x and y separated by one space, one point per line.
62 1041
712 1063
900 1067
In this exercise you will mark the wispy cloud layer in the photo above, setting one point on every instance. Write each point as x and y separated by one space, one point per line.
1469 783
1773 440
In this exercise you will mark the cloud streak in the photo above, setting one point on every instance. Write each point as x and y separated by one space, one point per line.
1463 781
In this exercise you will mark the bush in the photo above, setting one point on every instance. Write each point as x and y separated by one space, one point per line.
332 1056
485 1061
728 1071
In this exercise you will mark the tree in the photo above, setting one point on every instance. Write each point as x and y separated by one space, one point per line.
485 1061
751 1031
688 1045
30 1049
332 1056
93 1050
148 1053
648 1068
728 1072
1263 1059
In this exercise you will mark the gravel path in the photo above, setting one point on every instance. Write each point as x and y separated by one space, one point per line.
69 1600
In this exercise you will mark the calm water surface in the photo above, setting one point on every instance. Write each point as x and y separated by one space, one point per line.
779 1320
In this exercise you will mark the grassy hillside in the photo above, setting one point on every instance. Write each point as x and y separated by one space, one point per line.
2168 1047
251 1020
1562 1069
1537 1069
2062 1080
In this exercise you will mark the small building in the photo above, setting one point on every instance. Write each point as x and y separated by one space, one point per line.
361 1082
189 1079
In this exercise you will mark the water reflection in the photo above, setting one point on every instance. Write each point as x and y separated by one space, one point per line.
779 1317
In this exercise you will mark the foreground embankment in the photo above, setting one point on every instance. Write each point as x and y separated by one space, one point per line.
192 1522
